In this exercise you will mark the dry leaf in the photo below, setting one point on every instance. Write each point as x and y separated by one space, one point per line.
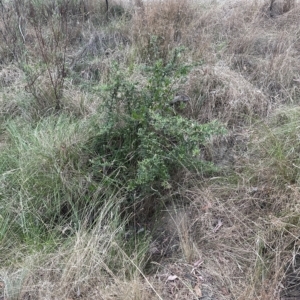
172 278
198 291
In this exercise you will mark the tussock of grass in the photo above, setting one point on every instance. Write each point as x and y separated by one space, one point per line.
44 177
81 263
278 143
221 93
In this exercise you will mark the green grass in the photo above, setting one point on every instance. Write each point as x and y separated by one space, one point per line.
41 173
279 145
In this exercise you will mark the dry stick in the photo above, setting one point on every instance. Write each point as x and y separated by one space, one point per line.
45 57
106 9
271 8
152 287
20 29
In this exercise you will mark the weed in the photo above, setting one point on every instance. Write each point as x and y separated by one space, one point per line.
144 141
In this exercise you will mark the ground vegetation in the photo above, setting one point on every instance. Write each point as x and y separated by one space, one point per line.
149 149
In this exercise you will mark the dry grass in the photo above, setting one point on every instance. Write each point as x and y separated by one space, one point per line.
223 94
91 265
159 26
246 226
263 52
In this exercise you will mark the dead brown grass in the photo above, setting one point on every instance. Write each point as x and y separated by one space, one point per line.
262 49
245 224
265 50
159 26
219 92
242 240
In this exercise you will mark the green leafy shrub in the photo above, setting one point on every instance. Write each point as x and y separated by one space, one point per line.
144 140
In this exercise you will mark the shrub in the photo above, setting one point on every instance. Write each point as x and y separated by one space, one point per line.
144 140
